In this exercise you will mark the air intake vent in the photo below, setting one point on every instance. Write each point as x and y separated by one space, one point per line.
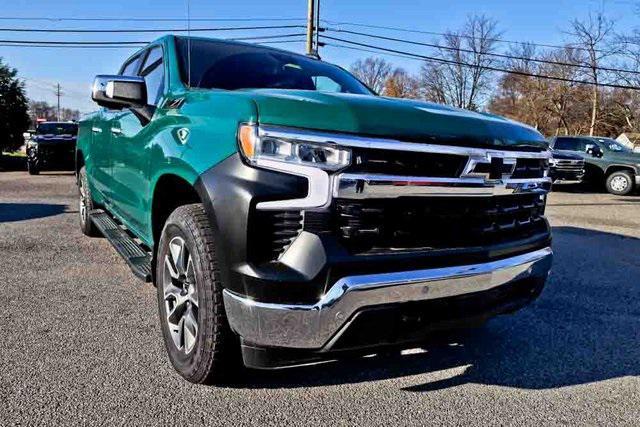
273 232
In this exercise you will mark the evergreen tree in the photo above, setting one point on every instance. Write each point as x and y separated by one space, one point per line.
14 120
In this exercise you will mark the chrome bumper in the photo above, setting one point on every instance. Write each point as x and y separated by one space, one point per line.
316 326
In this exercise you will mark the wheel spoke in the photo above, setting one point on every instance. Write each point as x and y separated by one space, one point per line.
176 247
176 310
173 272
179 339
190 327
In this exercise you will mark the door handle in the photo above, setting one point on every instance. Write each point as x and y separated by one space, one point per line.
96 130
116 131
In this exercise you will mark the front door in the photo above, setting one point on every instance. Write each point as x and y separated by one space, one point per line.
131 145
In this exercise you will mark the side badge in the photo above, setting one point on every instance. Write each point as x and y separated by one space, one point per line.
183 135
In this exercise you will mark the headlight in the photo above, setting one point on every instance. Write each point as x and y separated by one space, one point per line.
255 147
552 162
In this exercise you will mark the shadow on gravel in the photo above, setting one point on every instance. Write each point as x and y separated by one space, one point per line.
584 328
11 212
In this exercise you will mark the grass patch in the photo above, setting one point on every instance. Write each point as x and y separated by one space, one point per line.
19 153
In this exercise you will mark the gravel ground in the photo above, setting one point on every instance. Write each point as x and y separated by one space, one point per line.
81 343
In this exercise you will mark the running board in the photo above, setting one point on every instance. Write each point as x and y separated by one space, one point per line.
138 259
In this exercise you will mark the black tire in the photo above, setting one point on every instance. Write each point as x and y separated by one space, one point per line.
620 183
85 205
33 167
215 354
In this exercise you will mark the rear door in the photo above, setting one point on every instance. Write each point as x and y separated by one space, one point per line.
131 145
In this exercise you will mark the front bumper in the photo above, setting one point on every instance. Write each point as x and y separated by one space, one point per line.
566 175
319 326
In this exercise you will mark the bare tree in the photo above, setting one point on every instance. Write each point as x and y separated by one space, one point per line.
463 79
595 37
373 72
401 84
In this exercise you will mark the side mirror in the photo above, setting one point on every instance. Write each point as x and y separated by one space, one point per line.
118 92
596 151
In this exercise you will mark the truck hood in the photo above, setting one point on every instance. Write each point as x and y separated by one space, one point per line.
407 120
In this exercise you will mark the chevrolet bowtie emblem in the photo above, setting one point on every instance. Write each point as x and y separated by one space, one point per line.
493 168
497 168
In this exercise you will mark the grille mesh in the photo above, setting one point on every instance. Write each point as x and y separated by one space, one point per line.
456 222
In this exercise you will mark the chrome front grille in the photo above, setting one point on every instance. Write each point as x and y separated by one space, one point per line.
569 165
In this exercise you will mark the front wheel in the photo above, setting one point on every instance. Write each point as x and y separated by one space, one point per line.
620 183
197 336
33 167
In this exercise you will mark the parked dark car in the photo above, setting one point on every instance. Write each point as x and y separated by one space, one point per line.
566 167
53 146
606 161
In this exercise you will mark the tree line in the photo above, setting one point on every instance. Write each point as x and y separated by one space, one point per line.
586 86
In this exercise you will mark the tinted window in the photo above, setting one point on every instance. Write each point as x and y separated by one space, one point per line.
568 144
131 67
233 66
57 129
153 73
613 145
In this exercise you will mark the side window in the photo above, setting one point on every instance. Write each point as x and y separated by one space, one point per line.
325 84
153 73
567 144
131 67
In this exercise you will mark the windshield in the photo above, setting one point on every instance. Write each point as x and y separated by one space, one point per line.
613 145
234 66
57 129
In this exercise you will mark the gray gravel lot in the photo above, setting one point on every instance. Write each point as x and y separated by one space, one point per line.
81 342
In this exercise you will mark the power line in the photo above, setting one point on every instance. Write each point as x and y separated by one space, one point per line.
71 43
151 30
497 55
257 40
435 33
66 46
128 43
62 19
489 68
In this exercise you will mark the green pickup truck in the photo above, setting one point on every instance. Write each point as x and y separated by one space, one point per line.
288 215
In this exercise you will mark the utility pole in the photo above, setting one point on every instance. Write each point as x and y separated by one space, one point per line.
58 94
311 27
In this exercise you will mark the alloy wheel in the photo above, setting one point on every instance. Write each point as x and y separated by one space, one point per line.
619 183
180 295
82 203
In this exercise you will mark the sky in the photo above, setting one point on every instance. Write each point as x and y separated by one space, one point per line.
540 21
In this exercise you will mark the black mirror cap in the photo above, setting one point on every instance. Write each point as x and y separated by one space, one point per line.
117 92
